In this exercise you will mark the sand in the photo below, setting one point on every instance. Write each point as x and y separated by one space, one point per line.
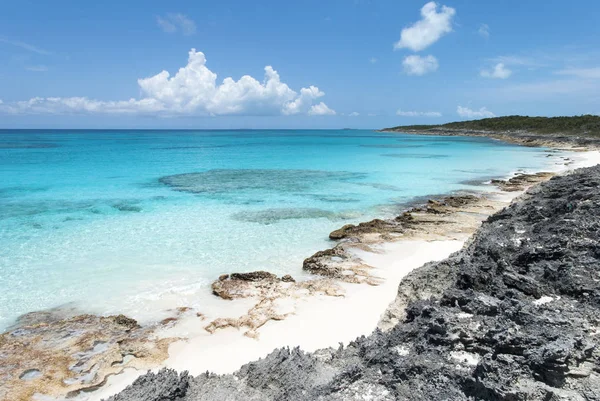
317 322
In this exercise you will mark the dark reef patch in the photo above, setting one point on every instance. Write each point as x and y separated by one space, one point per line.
380 186
30 208
271 216
127 207
392 146
234 180
332 198
414 156
11 192
27 145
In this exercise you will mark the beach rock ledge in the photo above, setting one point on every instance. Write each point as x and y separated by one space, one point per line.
515 315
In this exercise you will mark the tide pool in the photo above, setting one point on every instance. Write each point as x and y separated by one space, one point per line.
138 221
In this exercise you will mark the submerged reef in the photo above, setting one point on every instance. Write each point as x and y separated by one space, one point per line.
515 315
222 181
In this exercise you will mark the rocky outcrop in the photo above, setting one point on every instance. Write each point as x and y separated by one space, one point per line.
522 181
519 137
515 315
243 285
450 217
55 352
418 219
272 296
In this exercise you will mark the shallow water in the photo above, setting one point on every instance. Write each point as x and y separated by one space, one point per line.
138 221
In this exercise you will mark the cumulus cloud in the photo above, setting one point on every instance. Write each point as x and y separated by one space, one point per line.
466 112
417 65
354 114
484 31
403 113
425 32
498 72
193 90
176 22
320 109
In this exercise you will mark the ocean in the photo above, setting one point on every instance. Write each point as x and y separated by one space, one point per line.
137 222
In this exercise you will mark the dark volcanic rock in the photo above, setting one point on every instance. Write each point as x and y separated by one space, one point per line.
254 276
515 315
166 385
373 226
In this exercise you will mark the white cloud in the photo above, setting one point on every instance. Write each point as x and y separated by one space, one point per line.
373 60
468 113
25 46
484 31
321 109
417 65
545 90
354 114
517 60
498 72
175 22
584 73
428 30
37 68
418 113
193 90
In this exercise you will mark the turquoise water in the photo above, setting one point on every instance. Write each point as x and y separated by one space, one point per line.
136 221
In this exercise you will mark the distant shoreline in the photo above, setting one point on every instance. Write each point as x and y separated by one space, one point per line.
577 133
523 138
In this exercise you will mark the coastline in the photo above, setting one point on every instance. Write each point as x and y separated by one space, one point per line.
514 315
226 351
323 321
522 137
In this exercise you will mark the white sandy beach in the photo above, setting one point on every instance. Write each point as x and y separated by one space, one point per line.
317 322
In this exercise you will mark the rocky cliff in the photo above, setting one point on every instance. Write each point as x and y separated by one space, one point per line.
515 315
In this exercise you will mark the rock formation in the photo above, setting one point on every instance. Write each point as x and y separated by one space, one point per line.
515 315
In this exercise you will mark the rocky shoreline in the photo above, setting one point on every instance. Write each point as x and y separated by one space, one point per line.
63 352
515 315
447 218
521 137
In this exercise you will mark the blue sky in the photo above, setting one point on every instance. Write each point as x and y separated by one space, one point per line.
338 63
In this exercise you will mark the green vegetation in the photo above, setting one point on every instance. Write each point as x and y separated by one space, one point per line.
588 125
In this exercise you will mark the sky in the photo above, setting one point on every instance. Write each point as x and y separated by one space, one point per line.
303 64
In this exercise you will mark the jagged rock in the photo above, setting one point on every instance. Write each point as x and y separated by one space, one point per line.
471 327
166 385
125 321
521 181
254 276
373 226
269 293
337 263
317 263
